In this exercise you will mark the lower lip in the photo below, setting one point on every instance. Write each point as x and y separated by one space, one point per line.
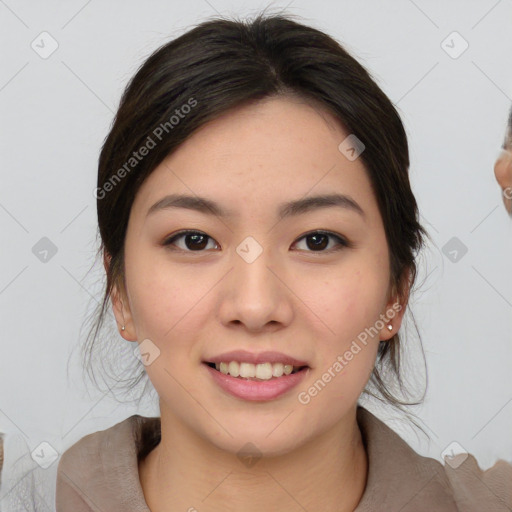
256 390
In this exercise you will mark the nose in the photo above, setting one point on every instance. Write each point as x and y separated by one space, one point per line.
256 295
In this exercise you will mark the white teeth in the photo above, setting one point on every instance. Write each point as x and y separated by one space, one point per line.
234 369
263 371
277 369
247 370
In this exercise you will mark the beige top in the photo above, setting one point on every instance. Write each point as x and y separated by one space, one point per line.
100 473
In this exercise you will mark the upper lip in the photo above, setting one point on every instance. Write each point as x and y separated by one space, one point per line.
249 357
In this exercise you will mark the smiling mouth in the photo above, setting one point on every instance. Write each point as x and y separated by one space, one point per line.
257 372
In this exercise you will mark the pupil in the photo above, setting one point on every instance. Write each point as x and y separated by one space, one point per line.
195 238
317 244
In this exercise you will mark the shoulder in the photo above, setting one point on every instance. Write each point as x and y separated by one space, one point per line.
103 465
475 489
93 447
398 477
422 483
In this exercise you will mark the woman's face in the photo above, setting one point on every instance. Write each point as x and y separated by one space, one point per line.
252 280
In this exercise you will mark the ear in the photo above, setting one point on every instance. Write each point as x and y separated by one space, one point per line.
395 307
120 306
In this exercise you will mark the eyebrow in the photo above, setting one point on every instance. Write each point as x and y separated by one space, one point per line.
291 208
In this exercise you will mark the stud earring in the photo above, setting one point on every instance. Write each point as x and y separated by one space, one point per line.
390 327
122 328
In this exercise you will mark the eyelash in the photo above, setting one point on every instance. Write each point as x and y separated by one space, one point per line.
342 242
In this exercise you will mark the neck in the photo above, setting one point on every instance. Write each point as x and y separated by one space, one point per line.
185 472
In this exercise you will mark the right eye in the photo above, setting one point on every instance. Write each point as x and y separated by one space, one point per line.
194 241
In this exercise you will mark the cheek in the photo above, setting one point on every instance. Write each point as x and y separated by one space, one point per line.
350 306
352 303
168 308
163 300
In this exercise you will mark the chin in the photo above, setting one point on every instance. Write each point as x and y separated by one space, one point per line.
250 447
270 438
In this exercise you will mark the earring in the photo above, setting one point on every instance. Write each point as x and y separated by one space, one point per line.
390 327
122 328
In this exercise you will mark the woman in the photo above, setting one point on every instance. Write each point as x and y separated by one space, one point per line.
259 236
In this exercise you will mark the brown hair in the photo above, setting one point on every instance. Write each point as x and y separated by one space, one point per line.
223 64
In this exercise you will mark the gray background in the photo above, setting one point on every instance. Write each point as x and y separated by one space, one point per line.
56 111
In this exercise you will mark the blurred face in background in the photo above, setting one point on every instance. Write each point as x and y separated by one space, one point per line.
503 171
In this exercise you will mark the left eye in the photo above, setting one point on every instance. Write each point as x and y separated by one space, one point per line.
194 240
316 241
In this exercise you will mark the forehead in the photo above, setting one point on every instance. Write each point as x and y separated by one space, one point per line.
265 152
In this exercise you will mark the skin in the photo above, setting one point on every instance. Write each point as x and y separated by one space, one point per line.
307 303
503 172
